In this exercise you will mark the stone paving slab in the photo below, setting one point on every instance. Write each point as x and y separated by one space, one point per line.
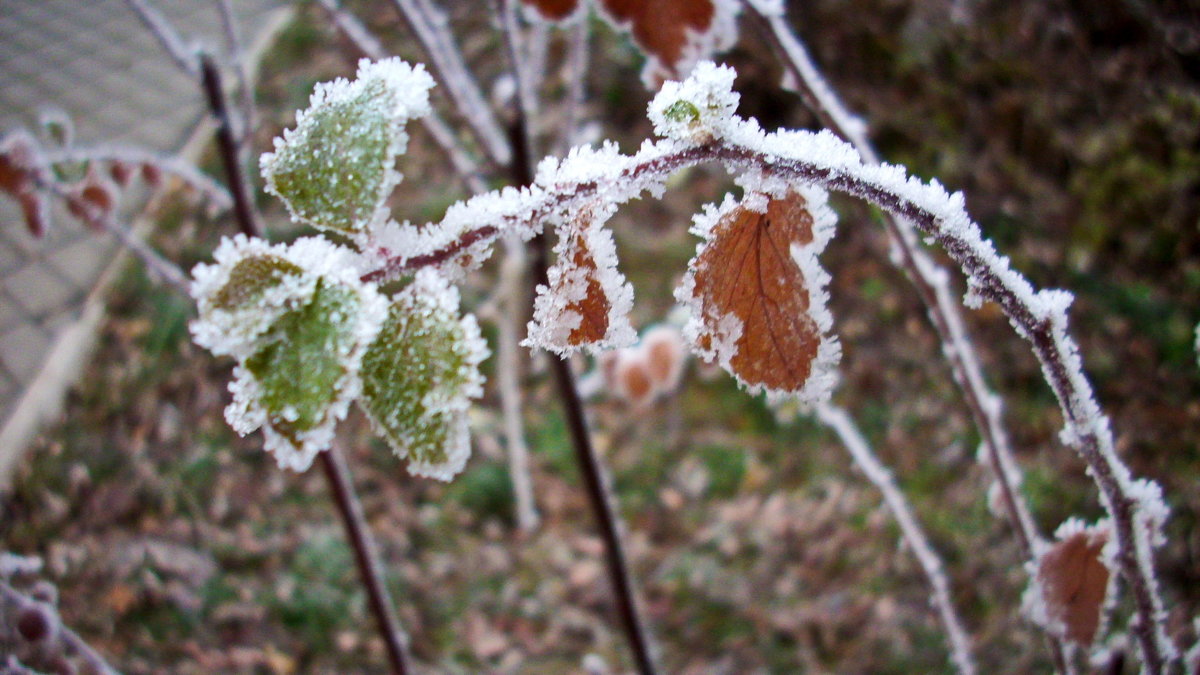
94 61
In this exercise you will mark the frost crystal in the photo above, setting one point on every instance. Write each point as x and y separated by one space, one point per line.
420 374
699 109
297 319
336 169
756 294
587 302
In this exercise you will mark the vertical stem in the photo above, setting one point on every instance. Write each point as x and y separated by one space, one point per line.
366 557
599 490
337 472
243 205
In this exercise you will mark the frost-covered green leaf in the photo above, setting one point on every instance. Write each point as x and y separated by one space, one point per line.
420 374
336 169
253 283
298 320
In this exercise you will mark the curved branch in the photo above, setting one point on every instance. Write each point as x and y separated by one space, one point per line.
910 530
787 157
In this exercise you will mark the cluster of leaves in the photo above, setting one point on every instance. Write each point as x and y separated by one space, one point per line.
312 331
309 335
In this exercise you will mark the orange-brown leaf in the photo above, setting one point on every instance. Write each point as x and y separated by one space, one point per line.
661 28
1074 581
747 272
555 10
594 306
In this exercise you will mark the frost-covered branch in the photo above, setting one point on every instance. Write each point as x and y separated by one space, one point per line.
227 147
159 164
696 119
576 82
429 24
960 646
101 220
929 279
166 34
234 53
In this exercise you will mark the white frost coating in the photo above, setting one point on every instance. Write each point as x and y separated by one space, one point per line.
700 108
722 333
553 319
407 97
1033 601
234 331
910 529
239 331
431 295
820 383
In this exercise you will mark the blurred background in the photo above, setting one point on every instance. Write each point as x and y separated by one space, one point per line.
1072 127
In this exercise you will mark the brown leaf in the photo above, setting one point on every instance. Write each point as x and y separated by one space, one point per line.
585 301
635 383
661 28
555 10
1074 583
746 284
594 306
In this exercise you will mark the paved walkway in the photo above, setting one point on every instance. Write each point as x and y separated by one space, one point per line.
93 60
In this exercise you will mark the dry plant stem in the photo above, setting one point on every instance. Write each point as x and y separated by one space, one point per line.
172 166
233 47
960 646
243 206
508 367
67 638
429 25
599 491
1045 330
158 25
333 463
576 82
929 280
600 494
465 165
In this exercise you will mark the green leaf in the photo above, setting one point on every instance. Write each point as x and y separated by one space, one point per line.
419 375
250 278
300 380
336 169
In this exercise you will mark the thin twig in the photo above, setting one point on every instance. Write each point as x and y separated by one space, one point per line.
464 164
68 638
166 34
243 204
160 267
429 25
598 490
508 366
365 556
576 82
234 53
960 647
184 171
